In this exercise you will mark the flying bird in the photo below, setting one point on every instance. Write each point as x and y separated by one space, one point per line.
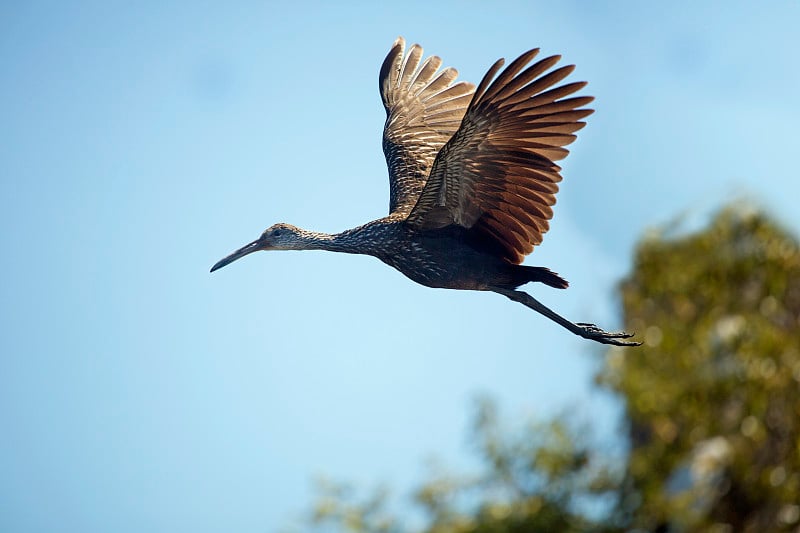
472 178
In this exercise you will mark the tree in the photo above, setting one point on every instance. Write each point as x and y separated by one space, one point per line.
713 397
712 404
534 479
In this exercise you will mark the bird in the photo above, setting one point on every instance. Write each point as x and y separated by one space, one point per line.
472 178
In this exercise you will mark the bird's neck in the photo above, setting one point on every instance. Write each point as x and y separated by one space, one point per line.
353 241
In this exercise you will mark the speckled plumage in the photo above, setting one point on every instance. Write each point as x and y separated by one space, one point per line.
472 178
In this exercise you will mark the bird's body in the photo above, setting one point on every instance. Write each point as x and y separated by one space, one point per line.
446 258
472 178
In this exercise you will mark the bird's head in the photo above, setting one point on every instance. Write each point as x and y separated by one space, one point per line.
279 236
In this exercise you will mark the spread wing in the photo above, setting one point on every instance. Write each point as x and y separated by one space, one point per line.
423 110
497 175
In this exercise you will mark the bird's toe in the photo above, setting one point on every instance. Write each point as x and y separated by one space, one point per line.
593 332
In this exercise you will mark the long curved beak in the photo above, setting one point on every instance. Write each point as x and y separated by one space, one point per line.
238 254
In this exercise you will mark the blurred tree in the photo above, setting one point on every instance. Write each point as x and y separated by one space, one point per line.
535 479
713 397
712 403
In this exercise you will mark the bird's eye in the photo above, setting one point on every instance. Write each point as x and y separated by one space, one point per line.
276 233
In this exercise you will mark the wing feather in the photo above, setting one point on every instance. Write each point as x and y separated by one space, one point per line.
497 175
424 107
529 74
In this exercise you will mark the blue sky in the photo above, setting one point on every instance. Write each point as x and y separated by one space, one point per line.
142 142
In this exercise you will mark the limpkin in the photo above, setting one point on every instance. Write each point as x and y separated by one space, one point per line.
472 178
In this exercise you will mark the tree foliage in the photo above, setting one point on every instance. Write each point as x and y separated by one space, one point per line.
712 398
712 405
533 479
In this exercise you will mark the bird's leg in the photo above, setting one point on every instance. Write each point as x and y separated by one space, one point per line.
587 331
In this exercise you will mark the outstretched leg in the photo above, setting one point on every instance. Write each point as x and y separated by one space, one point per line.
587 331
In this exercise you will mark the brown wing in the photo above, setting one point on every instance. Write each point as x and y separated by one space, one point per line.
423 110
496 175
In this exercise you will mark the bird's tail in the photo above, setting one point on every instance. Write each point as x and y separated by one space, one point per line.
522 274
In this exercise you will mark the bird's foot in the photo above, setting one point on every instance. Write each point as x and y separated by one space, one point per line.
595 333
